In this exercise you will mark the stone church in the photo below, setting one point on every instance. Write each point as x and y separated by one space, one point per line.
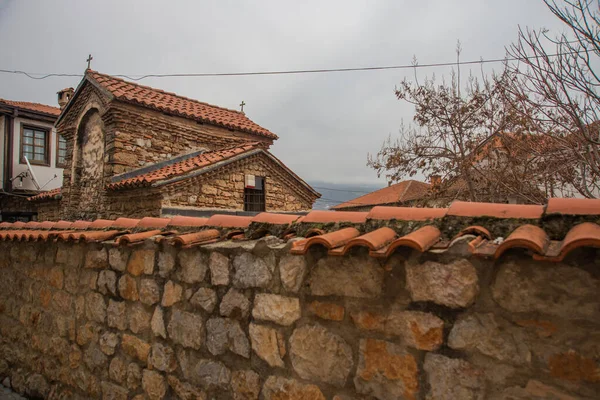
136 151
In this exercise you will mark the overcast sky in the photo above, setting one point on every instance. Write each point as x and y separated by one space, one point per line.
327 123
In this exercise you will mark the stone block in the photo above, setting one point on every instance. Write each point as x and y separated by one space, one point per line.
205 373
172 294
184 390
117 370
275 308
360 277
245 385
292 270
205 298
317 354
95 307
491 336
451 379
134 376
386 371
162 358
219 269
158 323
117 314
166 262
149 292
135 347
139 318
453 285
108 342
186 329
107 282
279 388
234 304
141 262
97 259
56 277
252 271
330 311
192 266
530 287
268 344
128 288
117 258
420 330
110 391
154 384
223 334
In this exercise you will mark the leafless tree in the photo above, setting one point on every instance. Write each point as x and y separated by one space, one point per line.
555 88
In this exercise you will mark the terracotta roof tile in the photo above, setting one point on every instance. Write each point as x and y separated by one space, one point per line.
133 238
229 221
529 237
37 107
152 222
54 194
181 167
174 104
406 213
573 206
197 238
398 193
181 221
473 209
373 241
323 217
421 240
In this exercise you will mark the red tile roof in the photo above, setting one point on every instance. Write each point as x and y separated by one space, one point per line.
53 194
176 105
397 193
37 107
534 234
181 167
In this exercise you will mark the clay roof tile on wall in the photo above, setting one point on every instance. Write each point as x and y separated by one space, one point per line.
174 104
398 193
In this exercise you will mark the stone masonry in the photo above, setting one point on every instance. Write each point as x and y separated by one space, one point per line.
246 320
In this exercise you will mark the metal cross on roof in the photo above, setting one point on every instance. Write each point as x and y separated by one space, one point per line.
89 60
242 104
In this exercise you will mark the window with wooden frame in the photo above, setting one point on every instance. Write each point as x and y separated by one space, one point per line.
35 145
254 198
61 151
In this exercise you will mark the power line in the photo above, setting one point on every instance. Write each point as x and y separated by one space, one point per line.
292 72
342 190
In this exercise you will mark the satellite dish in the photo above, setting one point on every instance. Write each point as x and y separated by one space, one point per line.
31 173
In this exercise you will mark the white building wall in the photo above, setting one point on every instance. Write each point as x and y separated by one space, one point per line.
45 175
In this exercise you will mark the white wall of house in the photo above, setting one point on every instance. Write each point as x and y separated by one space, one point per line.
44 174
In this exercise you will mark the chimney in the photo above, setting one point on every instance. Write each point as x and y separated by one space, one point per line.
435 180
64 96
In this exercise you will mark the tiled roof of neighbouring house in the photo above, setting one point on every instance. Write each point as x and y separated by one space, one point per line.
548 232
165 171
174 104
397 193
54 194
36 107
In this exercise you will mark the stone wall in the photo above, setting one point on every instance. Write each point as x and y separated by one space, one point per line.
224 188
48 210
246 320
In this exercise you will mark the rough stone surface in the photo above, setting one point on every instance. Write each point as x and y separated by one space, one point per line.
275 308
110 391
154 385
204 373
318 354
139 318
205 298
292 270
219 269
268 344
223 334
117 371
245 385
186 329
107 282
95 307
279 388
172 294
166 263
117 258
252 271
158 323
453 285
117 314
192 266
420 330
128 288
134 376
563 291
234 305
96 259
386 371
141 262
162 358
325 310
135 347
108 342
149 292
489 335
451 379
184 390
352 277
